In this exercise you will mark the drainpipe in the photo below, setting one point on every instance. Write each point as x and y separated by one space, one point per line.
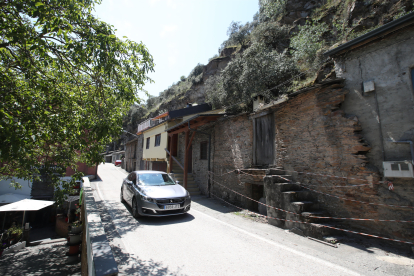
411 147
209 155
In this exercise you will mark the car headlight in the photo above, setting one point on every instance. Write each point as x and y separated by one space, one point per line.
188 195
148 199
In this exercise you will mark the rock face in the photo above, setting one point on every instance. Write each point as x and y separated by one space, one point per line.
196 94
359 15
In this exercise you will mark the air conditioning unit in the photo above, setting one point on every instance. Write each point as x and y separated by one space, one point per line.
398 169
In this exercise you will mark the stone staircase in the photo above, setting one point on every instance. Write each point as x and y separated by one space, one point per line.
282 193
192 187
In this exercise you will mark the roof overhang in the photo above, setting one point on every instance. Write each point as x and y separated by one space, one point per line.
193 123
165 114
380 32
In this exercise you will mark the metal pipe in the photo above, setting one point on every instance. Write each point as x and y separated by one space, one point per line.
209 155
411 147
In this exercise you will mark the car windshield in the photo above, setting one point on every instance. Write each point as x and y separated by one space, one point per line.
155 179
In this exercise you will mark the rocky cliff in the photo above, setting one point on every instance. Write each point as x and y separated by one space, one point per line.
346 20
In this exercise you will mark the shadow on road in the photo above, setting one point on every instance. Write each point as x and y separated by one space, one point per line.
128 264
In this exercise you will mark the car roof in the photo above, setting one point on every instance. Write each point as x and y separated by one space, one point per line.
148 172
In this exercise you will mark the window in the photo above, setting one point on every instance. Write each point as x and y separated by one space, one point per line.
152 179
148 143
157 140
203 150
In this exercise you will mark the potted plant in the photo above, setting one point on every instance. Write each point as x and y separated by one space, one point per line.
75 227
15 234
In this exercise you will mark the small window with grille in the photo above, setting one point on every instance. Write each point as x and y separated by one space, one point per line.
203 150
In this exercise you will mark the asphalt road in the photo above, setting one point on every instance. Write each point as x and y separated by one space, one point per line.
214 240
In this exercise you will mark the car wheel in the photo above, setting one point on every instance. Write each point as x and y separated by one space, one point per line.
135 213
122 197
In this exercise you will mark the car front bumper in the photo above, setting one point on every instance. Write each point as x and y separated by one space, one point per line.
158 209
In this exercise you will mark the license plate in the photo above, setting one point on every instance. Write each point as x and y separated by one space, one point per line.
172 206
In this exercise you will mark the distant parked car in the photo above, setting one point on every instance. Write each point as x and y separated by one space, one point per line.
118 162
154 193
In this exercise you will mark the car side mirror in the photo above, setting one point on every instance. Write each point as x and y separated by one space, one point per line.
129 182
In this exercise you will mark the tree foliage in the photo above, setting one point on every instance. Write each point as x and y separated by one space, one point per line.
66 81
271 9
307 43
256 71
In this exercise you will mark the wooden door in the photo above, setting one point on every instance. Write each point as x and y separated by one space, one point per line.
264 140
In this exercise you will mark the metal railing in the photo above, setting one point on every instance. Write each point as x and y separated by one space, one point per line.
145 124
181 166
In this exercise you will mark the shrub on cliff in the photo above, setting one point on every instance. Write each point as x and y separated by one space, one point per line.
308 45
256 71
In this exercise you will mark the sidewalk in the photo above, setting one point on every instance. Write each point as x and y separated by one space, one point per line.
43 259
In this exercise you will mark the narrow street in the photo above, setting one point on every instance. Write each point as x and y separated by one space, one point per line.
214 240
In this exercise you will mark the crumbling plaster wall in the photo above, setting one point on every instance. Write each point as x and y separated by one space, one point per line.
313 135
388 63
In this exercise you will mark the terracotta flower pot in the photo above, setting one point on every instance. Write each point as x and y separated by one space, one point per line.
73 249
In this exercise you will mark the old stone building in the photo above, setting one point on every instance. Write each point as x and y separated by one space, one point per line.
324 151
131 148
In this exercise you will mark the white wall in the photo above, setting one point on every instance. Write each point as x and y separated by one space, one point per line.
25 190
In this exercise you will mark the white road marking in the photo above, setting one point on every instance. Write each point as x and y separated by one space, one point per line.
312 258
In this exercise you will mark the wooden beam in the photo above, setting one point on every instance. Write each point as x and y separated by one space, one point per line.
200 123
170 159
186 158
191 140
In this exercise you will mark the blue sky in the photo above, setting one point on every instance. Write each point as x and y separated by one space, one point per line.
178 33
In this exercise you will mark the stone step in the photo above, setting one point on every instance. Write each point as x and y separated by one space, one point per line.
302 206
286 187
191 186
311 228
275 171
320 213
283 178
302 195
318 231
190 177
189 180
